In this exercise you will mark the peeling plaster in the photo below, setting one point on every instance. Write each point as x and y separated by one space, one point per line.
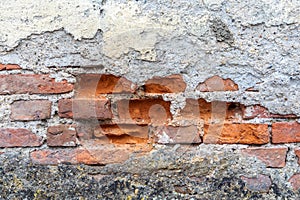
254 43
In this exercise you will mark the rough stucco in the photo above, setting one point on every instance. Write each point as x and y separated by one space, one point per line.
255 43
142 39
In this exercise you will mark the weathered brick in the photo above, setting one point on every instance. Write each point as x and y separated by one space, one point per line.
98 155
272 157
215 111
54 156
169 84
9 67
144 111
122 133
61 135
32 84
30 110
84 108
216 83
177 135
236 133
91 85
257 111
285 132
20 137
297 152
261 183
295 181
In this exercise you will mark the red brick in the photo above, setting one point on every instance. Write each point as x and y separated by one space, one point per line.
98 155
285 132
112 133
272 157
122 133
91 85
32 84
261 183
30 110
177 135
216 83
295 181
297 152
84 108
9 67
211 111
236 133
61 135
257 111
10 137
170 84
144 111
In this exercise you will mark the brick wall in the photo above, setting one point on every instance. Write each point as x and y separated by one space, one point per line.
99 119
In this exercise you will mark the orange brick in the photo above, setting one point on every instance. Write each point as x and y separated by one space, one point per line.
216 83
92 85
144 111
169 84
211 111
236 133
122 133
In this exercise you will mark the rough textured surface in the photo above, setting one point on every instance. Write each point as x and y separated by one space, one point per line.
10 137
272 157
30 110
252 44
169 172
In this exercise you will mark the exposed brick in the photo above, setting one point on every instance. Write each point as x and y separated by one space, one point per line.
30 110
98 155
261 183
177 135
144 111
10 137
236 133
169 84
61 135
252 89
91 85
297 152
32 84
272 157
9 67
122 133
295 181
216 83
215 111
54 157
84 108
257 111
285 132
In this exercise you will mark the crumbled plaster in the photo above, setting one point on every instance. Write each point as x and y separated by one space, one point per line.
254 43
